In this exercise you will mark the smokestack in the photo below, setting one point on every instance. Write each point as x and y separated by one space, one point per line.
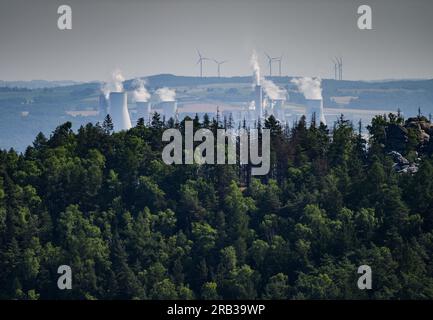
119 111
258 92
258 100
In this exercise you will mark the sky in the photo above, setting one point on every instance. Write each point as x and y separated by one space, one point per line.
149 37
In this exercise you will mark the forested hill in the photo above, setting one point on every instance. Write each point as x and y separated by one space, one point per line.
131 226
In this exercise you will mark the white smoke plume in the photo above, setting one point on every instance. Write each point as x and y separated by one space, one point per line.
310 87
140 92
273 91
115 85
166 94
256 67
118 81
270 88
105 89
251 105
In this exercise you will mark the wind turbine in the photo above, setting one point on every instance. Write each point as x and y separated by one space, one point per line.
270 63
200 61
336 67
338 63
272 59
278 59
219 63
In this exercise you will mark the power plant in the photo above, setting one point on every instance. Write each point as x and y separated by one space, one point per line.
119 111
268 98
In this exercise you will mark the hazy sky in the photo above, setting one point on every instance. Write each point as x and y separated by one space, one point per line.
161 36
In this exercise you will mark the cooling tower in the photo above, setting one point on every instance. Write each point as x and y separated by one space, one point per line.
258 101
169 108
103 105
143 110
119 111
315 106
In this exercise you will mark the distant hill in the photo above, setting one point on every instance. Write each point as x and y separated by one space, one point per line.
170 80
37 84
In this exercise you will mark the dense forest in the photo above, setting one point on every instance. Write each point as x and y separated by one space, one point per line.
132 227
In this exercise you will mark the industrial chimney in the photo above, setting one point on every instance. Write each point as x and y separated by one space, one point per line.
258 100
119 111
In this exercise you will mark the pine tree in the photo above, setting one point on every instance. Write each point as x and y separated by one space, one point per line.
107 125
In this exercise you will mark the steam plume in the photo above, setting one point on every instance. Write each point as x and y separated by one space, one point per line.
310 87
273 91
166 94
256 68
105 89
140 92
118 81
115 85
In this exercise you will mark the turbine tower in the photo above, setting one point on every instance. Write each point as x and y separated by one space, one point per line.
278 59
270 63
200 61
272 59
338 65
219 63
